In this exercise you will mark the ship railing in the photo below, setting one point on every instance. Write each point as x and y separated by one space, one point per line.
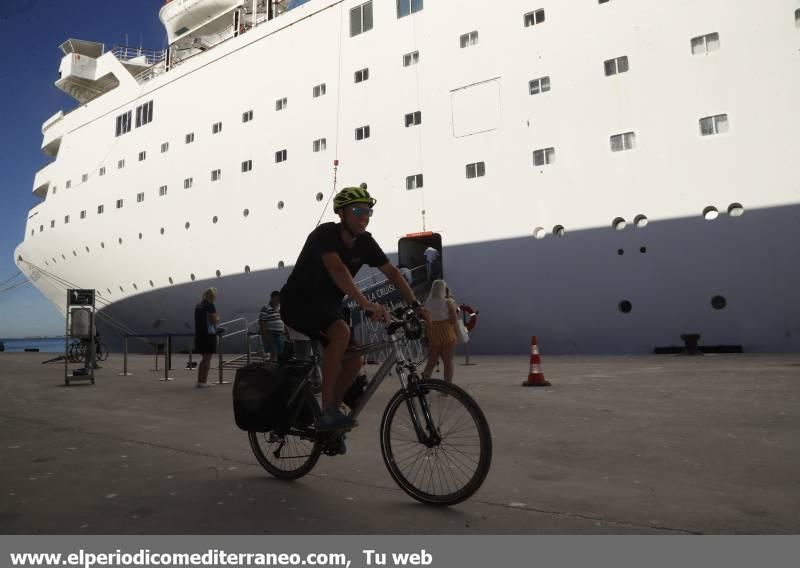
151 56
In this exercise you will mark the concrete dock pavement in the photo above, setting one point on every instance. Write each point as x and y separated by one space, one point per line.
618 445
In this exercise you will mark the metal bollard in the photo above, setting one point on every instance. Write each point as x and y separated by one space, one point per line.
168 347
220 381
125 372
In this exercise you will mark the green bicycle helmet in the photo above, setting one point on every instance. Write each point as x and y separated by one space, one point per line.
350 195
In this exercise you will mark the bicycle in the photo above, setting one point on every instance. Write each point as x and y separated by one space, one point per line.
439 452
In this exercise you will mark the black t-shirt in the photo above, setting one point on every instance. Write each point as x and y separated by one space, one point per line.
310 278
201 320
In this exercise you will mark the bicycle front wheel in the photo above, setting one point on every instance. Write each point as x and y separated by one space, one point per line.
290 453
445 458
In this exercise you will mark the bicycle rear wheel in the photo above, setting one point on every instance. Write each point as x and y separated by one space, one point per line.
449 464
290 453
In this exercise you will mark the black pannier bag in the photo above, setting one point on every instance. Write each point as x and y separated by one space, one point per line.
261 393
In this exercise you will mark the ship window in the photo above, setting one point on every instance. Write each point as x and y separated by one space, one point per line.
142 156
218 273
247 269
625 306
66 219
544 156
320 145
165 147
214 219
281 205
144 114
139 198
41 228
559 230
123 123
623 142
361 75
187 183
186 225
319 90
68 184
640 221
735 210
247 116
162 230
618 224
539 233
719 302
414 182
710 213
478 169
280 156
83 214
52 225
406 7
162 191
705 43
85 178
247 165
361 19
281 104
120 164
119 203
140 236
797 17
413 118
533 18
616 66
711 125
602 1
216 175
469 39
410 59
362 132
540 85
192 276
216 128
170 280
246 212
102 172
319 196
190 138
100 209
55 188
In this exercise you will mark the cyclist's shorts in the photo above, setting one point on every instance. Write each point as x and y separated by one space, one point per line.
310 317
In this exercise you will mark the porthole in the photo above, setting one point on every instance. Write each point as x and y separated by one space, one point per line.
63 257
620 252
162 230
140 236
87 249
280 204
247 269
74 253
539 233
120 289
47 263
170 280
625 307
54 259
320 197
558 230
618 224
281 264
187 225
135 287
735 210
246 212
640 221
109 291
102 245
719 302
119 240
219 273
192 276
151 284
642 250
710 213
214 219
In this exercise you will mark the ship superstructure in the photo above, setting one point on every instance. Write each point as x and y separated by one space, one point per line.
607 175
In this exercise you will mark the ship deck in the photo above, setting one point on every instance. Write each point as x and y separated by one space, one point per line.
624 445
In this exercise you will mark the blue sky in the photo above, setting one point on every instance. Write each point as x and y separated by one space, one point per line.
30 33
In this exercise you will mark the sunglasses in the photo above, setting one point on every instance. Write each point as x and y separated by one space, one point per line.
361 211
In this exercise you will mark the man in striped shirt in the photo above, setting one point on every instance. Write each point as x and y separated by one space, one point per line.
271 326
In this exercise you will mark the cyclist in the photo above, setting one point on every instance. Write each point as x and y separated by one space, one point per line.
311 300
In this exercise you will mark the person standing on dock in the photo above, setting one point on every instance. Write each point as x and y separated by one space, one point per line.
206 319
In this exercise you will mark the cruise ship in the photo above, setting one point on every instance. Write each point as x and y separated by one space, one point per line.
605 174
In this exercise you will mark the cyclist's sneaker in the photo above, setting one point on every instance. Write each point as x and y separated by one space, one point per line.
333 419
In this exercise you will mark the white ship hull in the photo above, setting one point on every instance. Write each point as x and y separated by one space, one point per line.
475 107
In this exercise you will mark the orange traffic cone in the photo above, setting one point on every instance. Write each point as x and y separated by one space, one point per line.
535 375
